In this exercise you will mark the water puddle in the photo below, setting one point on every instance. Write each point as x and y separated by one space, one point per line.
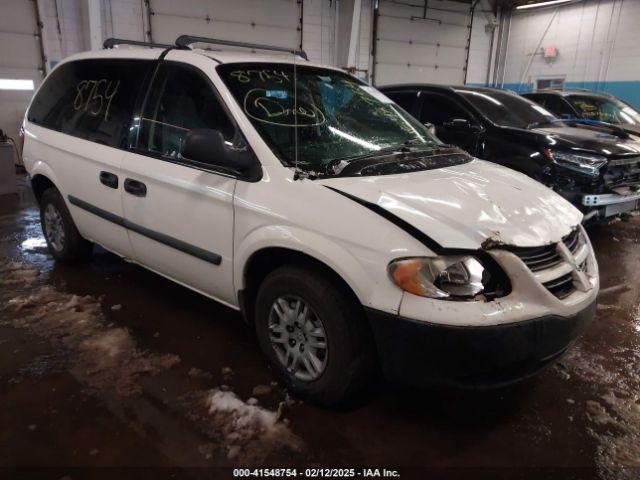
614 411
107 359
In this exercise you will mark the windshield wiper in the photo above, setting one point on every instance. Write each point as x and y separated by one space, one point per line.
335 166
403 147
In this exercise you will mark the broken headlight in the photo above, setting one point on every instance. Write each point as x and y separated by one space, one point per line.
579 162
439 277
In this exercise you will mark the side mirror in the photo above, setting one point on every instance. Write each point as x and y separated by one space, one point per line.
431 127
462 125
458 124
209 148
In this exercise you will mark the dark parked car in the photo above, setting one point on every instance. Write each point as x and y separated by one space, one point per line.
590 106
597 168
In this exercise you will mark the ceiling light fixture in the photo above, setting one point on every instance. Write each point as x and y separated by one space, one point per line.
14 84
542 4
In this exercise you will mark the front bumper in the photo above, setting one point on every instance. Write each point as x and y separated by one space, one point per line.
421 353
611 204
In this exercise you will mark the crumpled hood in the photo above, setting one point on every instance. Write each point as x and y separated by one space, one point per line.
470 205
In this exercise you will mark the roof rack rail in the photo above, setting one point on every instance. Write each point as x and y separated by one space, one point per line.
112 42
184 41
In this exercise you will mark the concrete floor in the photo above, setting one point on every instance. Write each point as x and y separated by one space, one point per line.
106 364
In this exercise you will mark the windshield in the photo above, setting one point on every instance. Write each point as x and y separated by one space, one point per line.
608 110
508 110
335 115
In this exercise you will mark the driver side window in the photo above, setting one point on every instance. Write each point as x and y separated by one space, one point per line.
182 99
438 109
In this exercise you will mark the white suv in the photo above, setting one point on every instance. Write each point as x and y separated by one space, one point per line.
347 234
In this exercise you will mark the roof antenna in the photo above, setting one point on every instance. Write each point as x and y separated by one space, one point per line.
295 116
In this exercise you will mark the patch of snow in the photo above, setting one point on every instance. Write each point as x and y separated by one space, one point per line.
104 357
249 431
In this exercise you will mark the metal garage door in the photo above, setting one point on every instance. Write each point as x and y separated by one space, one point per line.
418 45
20 58
275 22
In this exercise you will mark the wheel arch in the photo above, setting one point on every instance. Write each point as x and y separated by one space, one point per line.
40 183
331 260
42 178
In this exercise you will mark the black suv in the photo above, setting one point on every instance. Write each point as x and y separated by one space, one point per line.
597 168
600 107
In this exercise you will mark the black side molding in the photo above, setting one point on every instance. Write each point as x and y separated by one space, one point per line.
184 247
422 237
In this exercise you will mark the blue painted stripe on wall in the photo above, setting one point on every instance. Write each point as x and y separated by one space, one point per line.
626 91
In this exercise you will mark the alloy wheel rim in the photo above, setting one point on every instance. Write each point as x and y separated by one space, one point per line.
53 227
298 337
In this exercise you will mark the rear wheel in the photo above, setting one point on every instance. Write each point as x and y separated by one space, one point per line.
63 239
314 335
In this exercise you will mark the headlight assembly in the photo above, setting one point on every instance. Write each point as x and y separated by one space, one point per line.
579 162
439 277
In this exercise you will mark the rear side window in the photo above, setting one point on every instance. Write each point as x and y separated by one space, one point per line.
182 99
91 99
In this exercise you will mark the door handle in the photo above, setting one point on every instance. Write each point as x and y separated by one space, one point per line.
134 187
109 179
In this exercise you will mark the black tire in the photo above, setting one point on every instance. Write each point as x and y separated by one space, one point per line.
350 360
73 248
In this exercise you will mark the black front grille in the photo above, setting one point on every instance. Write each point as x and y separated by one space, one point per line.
622 171
562 286
541 258
571 241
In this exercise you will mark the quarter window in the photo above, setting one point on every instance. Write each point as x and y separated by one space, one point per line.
182 99
91 99
555 104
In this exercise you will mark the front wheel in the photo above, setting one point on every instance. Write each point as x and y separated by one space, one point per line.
314 335
63 239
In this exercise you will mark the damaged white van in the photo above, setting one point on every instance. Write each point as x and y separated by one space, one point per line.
348 236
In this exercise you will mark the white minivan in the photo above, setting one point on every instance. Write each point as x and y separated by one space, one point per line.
350 238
